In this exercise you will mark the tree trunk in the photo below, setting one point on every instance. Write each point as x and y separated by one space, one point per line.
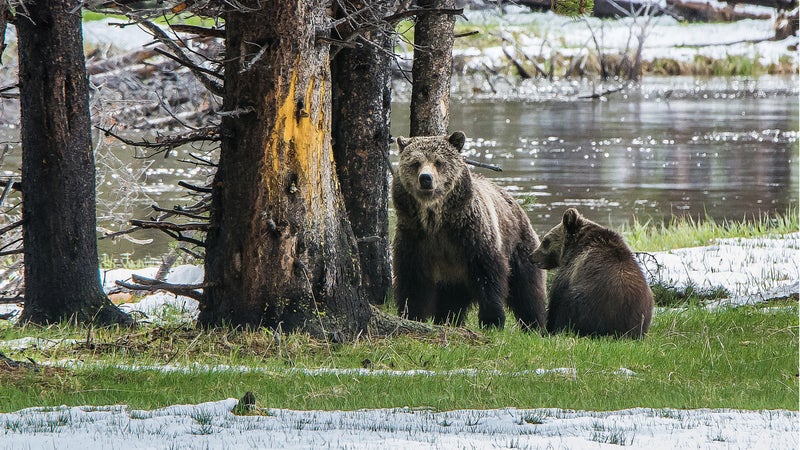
432 69
280 252
58 175
361 133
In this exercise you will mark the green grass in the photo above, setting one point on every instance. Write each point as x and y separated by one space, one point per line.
684 232
693 358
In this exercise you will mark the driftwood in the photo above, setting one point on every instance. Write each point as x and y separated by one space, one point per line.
139 283
705 12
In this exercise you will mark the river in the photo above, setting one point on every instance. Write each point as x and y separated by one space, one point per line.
719 148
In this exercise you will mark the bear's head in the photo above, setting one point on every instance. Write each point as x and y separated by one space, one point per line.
550 251
430 165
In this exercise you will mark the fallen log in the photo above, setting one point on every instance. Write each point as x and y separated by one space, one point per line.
704 12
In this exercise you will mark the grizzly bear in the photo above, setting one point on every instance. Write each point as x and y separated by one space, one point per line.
598 288
460 240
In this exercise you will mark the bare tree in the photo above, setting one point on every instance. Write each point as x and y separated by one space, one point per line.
279 250
432 69
361 132
58 172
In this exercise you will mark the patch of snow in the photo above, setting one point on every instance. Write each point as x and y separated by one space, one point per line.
28 342
538 33
360 372
748 268
212 425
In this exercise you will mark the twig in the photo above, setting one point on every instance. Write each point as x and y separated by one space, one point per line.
205 190
483 165
178 212
10 227
200 31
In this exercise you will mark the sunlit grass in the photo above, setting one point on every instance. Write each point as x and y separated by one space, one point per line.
692 358
685 231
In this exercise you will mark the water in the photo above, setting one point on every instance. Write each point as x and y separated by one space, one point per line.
726 152
675 147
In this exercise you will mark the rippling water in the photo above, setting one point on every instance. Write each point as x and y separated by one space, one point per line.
728 151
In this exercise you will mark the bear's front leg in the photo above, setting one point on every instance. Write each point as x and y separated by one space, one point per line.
414 291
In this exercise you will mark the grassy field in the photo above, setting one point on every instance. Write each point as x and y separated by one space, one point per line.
693 357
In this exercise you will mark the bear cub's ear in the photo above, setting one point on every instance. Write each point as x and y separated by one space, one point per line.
572 220
457 139
402 143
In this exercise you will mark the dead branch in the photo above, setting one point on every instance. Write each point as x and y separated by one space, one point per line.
178 212
169 225
148 284
191 253
203 161
466 34
10 184
165 144
521 70
199 31
12 252
205 190
215 87
10 227
483 165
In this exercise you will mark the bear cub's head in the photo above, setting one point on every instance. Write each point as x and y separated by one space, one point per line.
430 165
548 254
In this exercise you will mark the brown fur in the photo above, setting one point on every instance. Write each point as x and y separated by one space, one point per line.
460 240
598 288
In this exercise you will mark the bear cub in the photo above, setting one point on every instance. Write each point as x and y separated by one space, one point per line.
460 240
598 288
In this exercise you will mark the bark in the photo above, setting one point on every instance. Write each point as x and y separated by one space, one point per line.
432 69
58 175
361 134
279 250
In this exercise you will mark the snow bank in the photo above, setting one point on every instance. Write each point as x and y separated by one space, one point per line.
213 426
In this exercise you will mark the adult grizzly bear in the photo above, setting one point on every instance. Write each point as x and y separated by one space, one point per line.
460 240
598 289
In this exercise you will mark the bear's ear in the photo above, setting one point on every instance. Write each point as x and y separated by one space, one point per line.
402 143
572 220
457 139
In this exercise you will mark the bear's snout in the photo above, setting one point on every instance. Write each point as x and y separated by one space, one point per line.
425 181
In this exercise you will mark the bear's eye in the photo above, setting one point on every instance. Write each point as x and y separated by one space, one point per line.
438 163
415 164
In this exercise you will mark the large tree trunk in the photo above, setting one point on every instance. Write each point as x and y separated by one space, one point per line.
432 70
58 175
361 133
280 252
